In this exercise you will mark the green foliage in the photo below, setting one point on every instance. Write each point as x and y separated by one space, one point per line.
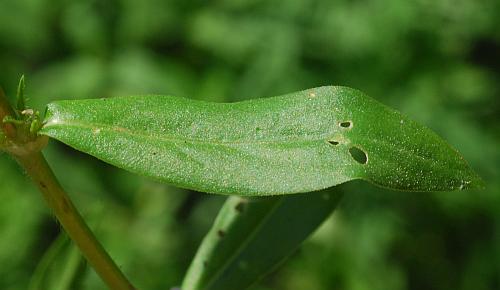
436 61
251 236
21 101
299 142
59 268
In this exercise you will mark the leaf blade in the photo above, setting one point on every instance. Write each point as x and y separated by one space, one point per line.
252 236
294 143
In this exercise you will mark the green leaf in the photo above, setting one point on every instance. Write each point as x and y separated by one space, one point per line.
21 102
294 143
59 267
251 236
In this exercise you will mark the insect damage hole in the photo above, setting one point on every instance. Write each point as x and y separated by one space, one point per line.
346 124
358 155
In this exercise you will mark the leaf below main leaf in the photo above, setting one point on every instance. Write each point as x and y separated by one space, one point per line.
298 142
252 236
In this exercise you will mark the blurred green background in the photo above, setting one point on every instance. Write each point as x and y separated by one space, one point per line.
436 61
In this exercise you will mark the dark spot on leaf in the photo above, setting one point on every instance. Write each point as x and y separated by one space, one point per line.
333 142
154 153
221 233
346 124
205 263
258 129
43 185
240 207
358 155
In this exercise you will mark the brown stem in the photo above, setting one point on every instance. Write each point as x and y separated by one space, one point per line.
72 222
29 156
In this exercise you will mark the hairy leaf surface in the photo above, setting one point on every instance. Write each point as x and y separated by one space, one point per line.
299 142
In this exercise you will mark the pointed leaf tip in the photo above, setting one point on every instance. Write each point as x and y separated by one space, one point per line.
21 101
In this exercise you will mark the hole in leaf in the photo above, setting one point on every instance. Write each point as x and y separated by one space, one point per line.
333 142
358 155
346 124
